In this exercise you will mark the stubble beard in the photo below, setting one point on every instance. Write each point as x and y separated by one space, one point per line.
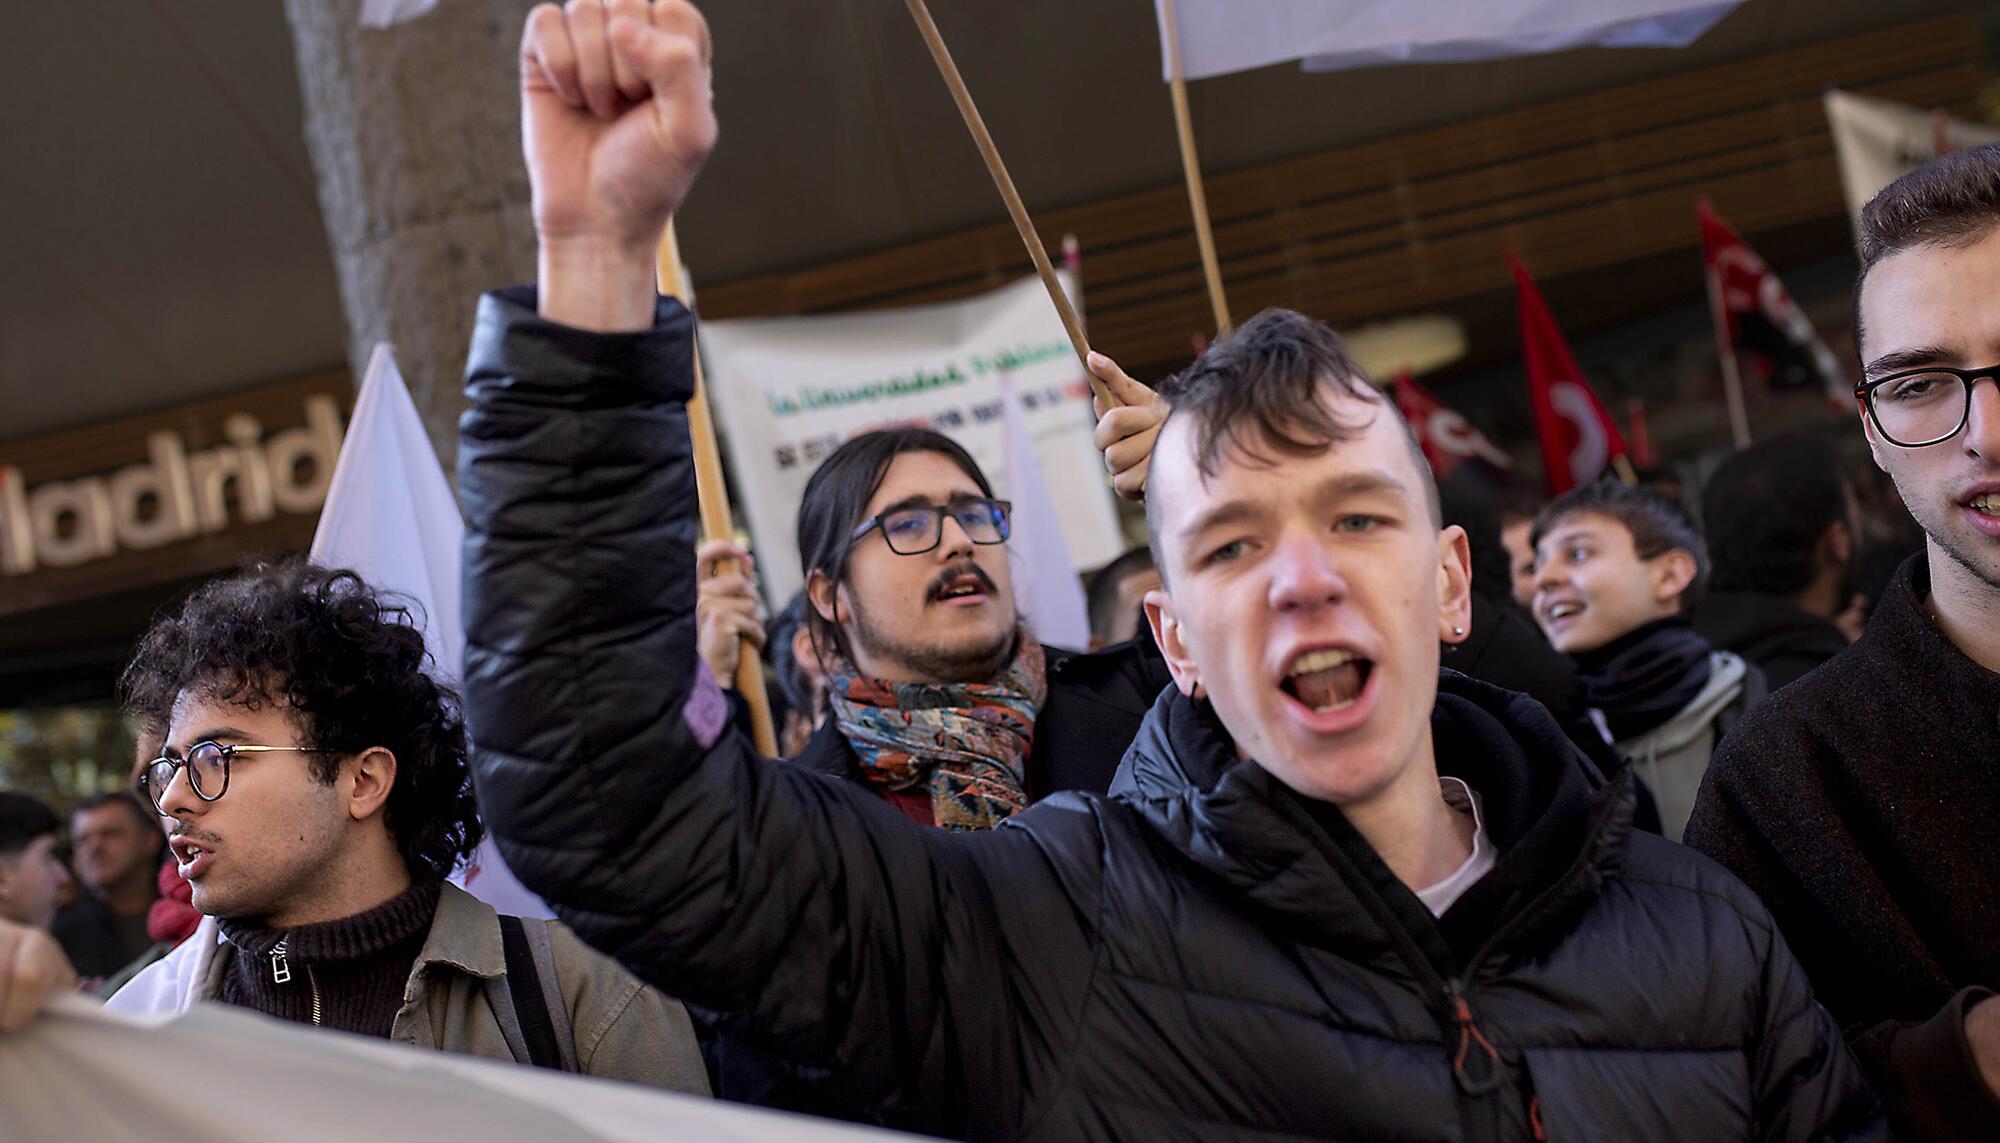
932 662
1962 549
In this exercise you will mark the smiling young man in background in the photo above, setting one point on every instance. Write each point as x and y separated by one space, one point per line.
1618 571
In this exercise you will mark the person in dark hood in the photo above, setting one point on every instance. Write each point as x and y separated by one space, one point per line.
1783 537
1338 895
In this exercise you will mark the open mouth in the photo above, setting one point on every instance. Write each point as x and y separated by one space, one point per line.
1557 612
1326 681
1986 505
193 857
965 585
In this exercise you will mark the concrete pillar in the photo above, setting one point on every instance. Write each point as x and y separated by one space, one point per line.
415 135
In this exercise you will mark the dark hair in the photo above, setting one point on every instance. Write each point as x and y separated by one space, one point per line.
23 821
1657 522
124 798
349 664
1257 391
1101 596
836 500
1951 201
1516 502
1766 509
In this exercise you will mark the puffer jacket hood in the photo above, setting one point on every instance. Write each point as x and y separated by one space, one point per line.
1559 827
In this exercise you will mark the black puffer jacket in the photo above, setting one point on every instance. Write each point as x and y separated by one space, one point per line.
1210 957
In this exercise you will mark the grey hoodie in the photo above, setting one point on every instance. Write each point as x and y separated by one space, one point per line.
1672 757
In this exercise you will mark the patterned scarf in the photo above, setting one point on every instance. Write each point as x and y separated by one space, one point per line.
966 743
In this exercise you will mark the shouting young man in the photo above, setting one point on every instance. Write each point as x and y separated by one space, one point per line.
1332 899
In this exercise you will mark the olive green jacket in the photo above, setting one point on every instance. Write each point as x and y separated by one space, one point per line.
457 1000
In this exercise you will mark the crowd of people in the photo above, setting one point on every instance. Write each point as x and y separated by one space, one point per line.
1382 810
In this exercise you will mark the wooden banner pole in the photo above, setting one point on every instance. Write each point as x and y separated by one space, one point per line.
714 501
1015 208
1204 235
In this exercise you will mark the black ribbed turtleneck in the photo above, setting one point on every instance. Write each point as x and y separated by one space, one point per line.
358 964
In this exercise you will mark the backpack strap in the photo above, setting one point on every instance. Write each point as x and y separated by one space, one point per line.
530 977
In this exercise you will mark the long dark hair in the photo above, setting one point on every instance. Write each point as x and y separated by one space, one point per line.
836 499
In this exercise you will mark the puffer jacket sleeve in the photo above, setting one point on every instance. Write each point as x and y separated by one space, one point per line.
824 927
1807 1085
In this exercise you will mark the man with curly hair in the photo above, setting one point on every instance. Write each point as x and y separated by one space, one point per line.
313 777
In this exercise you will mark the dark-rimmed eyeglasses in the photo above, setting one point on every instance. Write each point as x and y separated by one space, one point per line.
1919 407
207 766
914 531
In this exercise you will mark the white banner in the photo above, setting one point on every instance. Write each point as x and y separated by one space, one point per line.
229 1075
1222 36
787 391
1879 141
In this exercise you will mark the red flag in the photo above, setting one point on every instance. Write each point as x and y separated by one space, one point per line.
1447 438
1578 437
1760 318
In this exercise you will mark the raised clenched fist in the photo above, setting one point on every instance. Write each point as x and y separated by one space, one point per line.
617 118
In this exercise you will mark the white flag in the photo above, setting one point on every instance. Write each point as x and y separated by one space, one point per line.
390 516
1222 36
1047 592
1879 141
388 13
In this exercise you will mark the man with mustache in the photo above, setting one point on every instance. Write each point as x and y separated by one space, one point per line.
940 699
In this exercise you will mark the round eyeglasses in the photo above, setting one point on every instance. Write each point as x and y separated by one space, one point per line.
914 531
207 766
1920 407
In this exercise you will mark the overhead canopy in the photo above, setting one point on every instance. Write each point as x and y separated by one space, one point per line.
160 236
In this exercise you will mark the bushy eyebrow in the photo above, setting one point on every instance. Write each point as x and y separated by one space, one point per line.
1566 536
212 734
1914 358
921 501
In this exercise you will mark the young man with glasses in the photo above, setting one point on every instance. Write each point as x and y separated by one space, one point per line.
1863 802
939 698
314 782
